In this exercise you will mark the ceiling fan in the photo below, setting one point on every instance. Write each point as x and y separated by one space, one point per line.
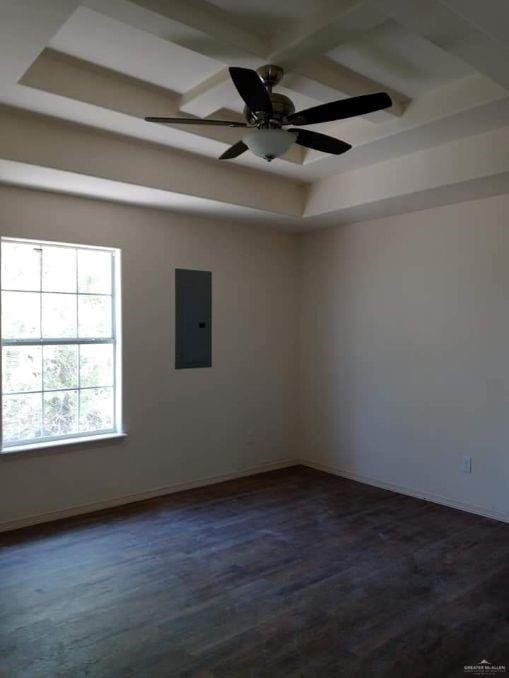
266 114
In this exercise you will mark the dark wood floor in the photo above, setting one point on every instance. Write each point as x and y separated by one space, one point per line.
290 573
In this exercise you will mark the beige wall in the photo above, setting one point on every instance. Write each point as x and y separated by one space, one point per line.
182 425
403 363
405 351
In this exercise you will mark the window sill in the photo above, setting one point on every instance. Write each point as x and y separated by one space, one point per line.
51 444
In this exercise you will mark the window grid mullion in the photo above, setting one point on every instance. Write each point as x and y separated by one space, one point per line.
79 388
41 264
1 359
78 367
58 341
114 332
81 294
40 290
42 389
77 290
58 390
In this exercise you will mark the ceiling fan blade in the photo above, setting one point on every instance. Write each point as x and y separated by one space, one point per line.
251 89
344 108
320 142
196 121
234 151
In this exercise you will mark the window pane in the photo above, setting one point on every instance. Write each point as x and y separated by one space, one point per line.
61 295
96 365
21 266
21 369
60 413
94 316
96 409
21 416
21 315
58 315
58 269
94 271
60 367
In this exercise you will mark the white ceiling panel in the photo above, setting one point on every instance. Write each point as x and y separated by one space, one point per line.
400 59
267 16
112 44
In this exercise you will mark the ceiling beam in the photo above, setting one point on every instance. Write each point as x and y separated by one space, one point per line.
196 25
452 170
23 175
47 142
26 27
302 47
494 22
467 107
207 19
327 76
333 24
204 99
320 79
77 80
441 22
209 31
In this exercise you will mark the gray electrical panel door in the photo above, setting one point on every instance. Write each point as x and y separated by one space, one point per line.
193 318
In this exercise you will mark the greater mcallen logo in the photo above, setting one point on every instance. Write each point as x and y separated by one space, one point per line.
484 668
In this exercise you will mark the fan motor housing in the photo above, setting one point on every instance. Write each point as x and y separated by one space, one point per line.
282 107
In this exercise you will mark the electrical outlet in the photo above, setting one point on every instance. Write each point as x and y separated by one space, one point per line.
466 464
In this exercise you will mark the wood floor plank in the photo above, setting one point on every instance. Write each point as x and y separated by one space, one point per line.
293 573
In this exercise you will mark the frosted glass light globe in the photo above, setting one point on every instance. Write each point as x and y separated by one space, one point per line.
269 143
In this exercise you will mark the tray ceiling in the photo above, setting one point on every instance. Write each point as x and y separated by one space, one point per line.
104 64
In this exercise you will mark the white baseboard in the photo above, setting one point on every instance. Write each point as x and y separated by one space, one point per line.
418 494
81 509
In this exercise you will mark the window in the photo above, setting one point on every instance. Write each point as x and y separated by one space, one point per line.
60 342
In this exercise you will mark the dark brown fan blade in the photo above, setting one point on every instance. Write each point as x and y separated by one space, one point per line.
234 151
196 121
344 108
251 89
320 142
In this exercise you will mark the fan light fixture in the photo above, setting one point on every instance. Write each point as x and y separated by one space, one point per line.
269 143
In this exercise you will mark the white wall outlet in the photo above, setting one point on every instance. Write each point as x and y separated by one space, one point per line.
466 464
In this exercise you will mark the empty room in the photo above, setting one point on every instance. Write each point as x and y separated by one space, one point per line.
254 416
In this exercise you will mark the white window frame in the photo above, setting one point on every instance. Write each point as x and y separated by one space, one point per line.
115 340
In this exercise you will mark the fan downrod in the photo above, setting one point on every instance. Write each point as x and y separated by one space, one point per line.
271 75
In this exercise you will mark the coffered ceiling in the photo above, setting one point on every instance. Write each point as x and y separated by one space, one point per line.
86 72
